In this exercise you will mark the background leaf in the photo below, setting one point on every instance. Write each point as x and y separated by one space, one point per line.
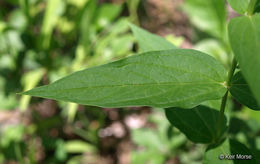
150 42
229 147
106 13
168 78
155 149
208 16
239 6
214 48
198 124
244 36
53 11
241 92
257 6
78 146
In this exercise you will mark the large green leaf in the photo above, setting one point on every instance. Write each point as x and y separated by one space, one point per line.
241 92
150 42
199 124
257 6
244 36
239 6
169 78
207 15
228 150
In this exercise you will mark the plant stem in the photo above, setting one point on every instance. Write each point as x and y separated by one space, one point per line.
224 99
251 7
132 7
231 72
18 153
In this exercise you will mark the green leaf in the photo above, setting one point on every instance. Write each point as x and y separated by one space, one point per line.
147 156
3 26
78 146
249 128
154 143
227 148
150 42
60 152
106 13
244 36
54 10
207 15
257 7
241 92
11 40
214 48
169 78
239 6
17 20
199 124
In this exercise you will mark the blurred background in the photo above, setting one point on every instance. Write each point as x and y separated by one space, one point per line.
44 40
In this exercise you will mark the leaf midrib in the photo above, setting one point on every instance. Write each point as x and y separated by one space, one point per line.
107 104
205 123
134 85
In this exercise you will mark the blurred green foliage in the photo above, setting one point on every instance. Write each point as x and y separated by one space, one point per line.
41 41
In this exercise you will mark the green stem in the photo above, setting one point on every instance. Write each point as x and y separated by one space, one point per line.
251 7
18 153
231 72
132 7
24 4
224 99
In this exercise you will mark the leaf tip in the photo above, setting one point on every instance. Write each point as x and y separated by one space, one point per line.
24 92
